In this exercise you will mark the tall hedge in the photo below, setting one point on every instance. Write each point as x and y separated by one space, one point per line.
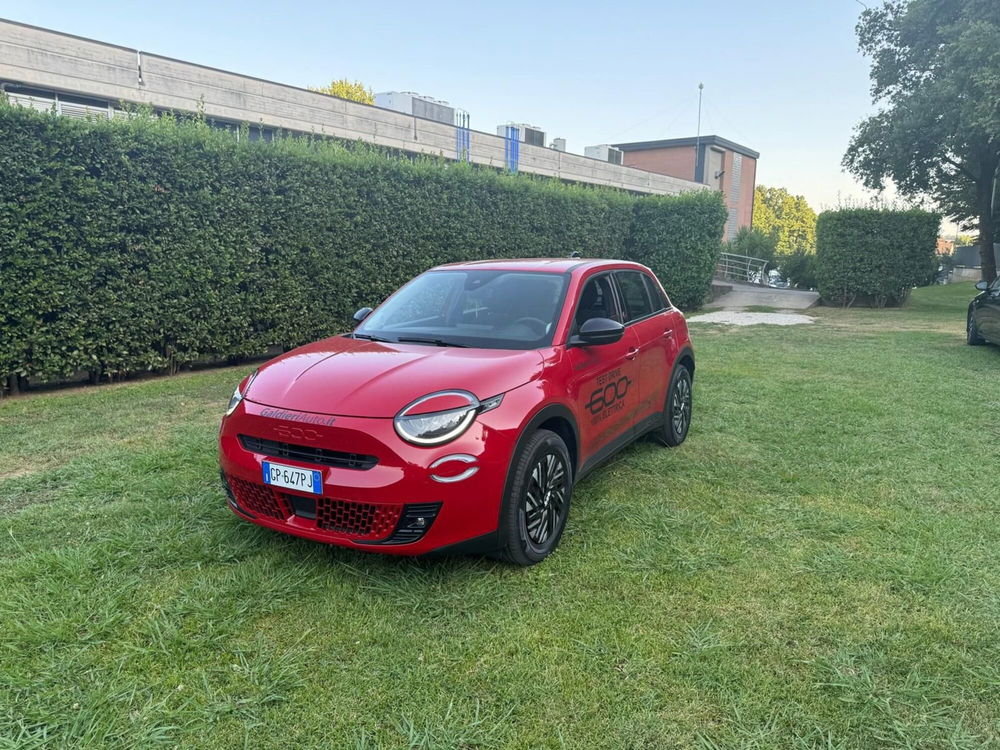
150 243
874 256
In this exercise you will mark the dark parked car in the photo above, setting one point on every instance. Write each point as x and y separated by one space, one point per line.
984 314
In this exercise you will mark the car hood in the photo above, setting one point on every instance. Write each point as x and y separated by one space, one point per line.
357 378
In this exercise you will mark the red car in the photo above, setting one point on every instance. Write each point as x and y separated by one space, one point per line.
460 413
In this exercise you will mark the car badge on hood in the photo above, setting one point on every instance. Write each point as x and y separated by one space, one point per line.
297 416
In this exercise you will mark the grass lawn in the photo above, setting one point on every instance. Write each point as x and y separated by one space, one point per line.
818 565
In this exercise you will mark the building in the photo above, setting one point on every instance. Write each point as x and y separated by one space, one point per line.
80 77
708 159
967 262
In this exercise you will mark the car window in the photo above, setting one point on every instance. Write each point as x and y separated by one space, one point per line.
485 309
596 301
659 297
634 295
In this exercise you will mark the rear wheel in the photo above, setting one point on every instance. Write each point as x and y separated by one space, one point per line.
537 504
677 411
972 332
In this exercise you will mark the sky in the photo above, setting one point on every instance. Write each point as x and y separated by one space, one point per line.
782 77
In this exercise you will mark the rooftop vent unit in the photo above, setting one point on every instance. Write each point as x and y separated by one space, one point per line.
412 103
604 152
530 134
558 144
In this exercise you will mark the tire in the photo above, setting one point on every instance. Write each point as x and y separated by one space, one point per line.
972 336
537 504
677 411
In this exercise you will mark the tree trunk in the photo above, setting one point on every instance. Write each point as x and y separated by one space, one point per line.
987 230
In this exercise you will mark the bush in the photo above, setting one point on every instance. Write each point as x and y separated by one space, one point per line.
145 243
753 243
799 268
680 238
874 255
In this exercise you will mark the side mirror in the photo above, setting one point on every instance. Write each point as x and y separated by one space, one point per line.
597 331
982 285
361 314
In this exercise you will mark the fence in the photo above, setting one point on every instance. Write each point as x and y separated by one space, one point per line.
741 268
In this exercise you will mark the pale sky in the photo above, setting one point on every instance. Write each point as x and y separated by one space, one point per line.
781 77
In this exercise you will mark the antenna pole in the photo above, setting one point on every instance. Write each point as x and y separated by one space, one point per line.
697 140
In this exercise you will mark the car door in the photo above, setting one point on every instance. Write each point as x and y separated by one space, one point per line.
604 380
987 313
647 314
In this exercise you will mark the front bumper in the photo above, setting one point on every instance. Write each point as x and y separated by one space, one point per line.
378 492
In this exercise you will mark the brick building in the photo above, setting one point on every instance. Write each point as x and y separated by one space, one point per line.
710 160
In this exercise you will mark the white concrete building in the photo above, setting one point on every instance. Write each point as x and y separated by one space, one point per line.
81 77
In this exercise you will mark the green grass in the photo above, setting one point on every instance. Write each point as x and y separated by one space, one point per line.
818 565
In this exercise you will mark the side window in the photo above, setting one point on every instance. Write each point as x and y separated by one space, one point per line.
633 289
596 301
659 297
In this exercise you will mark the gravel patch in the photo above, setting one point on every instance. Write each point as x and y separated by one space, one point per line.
735 318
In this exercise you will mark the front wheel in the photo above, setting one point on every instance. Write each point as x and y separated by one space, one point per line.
537 504
972 332
677 411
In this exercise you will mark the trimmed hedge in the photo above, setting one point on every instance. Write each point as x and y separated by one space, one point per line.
151 243
874 256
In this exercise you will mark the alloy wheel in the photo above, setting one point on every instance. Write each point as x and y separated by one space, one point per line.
681 406
543 509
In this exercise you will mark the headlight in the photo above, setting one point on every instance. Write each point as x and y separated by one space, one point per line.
439 427
239 393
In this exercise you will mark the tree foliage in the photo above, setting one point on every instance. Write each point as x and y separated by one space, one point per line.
787 218
345 89
935 73
149 243
753 243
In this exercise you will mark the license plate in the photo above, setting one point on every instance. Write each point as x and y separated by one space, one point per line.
292 477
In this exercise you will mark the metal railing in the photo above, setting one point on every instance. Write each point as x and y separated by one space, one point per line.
741 268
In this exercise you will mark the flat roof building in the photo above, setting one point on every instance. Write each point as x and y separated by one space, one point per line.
81 77
719 163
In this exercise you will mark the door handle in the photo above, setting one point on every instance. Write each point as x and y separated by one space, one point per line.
631 353
668 333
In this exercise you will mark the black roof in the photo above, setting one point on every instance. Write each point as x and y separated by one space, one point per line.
711 140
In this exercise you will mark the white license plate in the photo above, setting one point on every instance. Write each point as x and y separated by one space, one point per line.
292 477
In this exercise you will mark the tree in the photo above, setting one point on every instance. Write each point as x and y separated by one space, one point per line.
353 90
786 217
753 243
936 74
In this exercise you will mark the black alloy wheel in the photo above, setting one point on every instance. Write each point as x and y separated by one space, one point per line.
543 508
537 502
678 409
972 336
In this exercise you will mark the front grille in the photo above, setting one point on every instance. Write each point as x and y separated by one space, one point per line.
370 523
308 454
356 519
258 499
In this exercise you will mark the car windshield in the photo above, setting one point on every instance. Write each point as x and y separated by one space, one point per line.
483 309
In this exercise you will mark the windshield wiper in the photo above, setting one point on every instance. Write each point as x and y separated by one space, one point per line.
369 337
433 342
